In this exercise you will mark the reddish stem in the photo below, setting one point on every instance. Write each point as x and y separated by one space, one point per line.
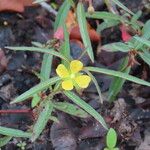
15 111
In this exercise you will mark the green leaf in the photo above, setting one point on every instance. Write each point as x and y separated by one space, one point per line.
107 24
118 74
142 40
37 44
111 138
66 45
96 84
145 55
35 100
37 49
146 30
54 119
123 7
104 15
39 1
42 120
14 132
70 109
117 83
46 67
136 16
77 100
84 31
36 89
114 47
62 14
4 140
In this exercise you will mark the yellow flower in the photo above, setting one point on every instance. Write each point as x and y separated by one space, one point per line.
72 77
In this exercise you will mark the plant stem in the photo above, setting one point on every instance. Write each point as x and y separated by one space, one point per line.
15 111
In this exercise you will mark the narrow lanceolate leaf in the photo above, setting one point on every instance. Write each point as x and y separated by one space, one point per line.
145 55
96 84
118 74
114 47
13 132
143 40
39 1
86 107
66 45
62 14
46 67
84 31
36 89
40 50
117 83
107 24
104 15
70 109
4 140
42 120
111 138
122 6
37 44
146 30
35 100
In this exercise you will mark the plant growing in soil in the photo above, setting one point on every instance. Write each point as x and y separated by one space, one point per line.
111 140
71 76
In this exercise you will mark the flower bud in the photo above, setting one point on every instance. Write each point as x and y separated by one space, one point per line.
91 9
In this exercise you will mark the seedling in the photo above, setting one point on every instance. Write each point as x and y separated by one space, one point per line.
111 140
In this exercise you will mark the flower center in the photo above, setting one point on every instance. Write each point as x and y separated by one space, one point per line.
72 76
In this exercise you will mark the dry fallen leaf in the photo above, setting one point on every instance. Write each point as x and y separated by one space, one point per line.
3 61
75 34
14 5
74 31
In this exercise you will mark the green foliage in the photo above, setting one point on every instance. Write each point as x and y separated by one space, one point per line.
43 94
86 107
111 140
14 132
65 50
140 44
84 31
42 120
96 85
118 74
104 15
42 50
117 83
70 109
62 14
35 100
36 89
4 140
22 145
117 2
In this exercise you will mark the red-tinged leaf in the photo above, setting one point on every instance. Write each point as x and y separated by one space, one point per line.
3 61
125 35
59 34
14 5
75 34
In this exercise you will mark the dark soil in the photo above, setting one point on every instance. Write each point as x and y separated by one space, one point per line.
129 115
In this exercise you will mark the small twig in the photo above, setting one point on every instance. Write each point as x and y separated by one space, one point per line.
48 8
15 111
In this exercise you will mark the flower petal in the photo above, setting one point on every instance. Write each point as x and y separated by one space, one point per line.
83 81
67 85
76 66
62 71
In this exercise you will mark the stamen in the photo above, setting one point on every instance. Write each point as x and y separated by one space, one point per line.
72 76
